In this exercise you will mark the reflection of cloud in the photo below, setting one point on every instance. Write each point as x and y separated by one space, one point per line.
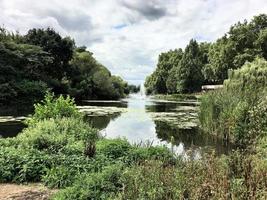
144 28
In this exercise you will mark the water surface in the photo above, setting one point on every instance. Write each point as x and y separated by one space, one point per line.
160 123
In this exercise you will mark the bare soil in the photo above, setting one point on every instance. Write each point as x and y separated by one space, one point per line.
24 192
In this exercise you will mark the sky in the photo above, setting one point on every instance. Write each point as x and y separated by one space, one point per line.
128 35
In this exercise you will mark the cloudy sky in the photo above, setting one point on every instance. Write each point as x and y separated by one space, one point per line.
127 35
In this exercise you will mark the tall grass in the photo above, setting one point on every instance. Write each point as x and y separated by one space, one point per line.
231 112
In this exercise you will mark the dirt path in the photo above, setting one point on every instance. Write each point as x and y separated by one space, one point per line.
24 192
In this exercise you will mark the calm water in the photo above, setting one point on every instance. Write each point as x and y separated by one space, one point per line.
138 125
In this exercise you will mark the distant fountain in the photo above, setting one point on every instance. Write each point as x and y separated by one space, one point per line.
141 94
142 91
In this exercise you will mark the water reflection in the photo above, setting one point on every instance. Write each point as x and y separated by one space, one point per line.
137 126
191 139
12 128
101 122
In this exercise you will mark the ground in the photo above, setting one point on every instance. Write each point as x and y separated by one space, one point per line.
24 192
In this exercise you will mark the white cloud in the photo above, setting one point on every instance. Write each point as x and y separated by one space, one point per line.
127 35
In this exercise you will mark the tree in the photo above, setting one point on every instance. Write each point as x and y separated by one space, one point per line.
61 49
261 43
189 74
172 78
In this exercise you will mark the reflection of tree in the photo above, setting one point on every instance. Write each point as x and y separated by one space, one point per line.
101 122
16 110
10 129
160 107
191 138
119 104
167 106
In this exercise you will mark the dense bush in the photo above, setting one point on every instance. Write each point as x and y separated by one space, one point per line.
139 154
57 135
52 107
238 112
113 148
103 185
20 165
152 181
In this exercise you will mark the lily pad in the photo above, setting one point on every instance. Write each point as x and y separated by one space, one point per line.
100 111
4 119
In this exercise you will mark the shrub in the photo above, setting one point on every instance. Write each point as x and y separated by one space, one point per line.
141 154
19 165
57 135
52 107
113 148
94 186
59 176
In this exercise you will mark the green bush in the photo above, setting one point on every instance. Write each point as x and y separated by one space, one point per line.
59 176
101 185
113 148
58 135
140 154
19 165
52 107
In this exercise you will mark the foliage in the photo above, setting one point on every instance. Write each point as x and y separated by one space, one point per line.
43 58
209 63
189 74
60 48
158 81
22 165
236 111
153 181
93 80
94 186
114 149
132 89
52 107
68 135
139 154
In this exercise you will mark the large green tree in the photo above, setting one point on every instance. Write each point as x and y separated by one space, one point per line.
61 49
189 74
172 78
42 60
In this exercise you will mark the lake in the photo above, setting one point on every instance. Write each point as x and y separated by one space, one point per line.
141 120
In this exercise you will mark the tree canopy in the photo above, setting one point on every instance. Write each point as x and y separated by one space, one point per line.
43 59
209 63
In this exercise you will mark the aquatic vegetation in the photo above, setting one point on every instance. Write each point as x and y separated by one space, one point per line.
183 120
100 111
4 119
